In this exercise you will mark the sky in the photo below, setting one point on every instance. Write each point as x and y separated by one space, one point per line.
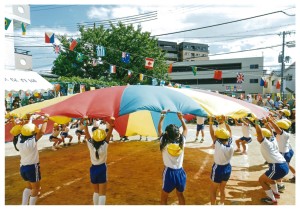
163 18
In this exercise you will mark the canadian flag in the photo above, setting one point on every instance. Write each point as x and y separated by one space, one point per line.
149 63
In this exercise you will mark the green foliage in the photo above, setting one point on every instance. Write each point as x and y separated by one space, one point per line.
77 81
116 40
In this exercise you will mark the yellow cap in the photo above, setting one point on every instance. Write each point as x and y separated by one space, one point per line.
283 124
55 125
174 150
286 112
251 119
222 133
28 129
288 121
266 133
99 135
16 130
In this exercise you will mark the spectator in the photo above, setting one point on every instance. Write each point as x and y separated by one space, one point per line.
260 102
31 100
269 102
277 103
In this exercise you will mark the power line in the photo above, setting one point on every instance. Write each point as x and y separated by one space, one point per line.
49 8
220 24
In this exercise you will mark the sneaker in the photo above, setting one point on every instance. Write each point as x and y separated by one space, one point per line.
69 144
276 195
293 180
237 150
58 147
281 188
202 140
269 201
65 144
244 153
265 162
53 148
196 139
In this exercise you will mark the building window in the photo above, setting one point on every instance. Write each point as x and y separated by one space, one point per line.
254 66
273 82
289 78
253 80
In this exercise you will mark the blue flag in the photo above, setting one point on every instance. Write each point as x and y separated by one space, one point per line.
262 82
125 57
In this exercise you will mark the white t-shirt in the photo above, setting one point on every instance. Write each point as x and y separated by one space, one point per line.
223 153
270 152
246 130
200 120
171 161
283 141
102 151
28 151
96 123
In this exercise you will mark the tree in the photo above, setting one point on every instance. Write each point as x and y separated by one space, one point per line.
116 40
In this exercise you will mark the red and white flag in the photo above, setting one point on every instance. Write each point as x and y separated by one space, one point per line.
149 63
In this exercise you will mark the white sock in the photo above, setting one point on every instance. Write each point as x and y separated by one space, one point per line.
274 188
25 197
102 199
270 194
32 200
96 198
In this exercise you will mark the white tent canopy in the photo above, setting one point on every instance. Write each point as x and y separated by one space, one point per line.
15 80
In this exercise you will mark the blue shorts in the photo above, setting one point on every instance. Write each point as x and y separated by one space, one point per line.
277 170
31 173
200 127
220 173
79 131
52 137
174 178
98 174
94 128
64 134
247 139
288 155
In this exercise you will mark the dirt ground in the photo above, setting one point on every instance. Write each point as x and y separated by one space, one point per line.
134 177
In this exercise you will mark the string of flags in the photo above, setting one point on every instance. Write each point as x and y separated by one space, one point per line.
239 78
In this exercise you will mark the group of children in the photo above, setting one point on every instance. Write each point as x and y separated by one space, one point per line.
273 139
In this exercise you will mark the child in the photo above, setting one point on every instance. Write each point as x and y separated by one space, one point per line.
54 137
278 167
97 145
200 127
65 134
172 144
221 169
281 128
246 138
30 163
80 131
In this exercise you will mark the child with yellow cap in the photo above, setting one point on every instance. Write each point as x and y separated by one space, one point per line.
221 169
172 144
278 166
30 166
97 145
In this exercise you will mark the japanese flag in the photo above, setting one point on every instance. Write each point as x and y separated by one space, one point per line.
149 63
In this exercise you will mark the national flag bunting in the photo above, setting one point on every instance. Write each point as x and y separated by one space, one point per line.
125 57
112 69
170 68
239 78
23 29
49 37
7 23
100 50
149 63
129 73
141 77
262 82
56 48
194 70
278 85
73 44
266 84
218 75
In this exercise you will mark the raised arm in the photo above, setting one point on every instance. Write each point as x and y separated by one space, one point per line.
162 117
185 129
274 125
110 130
229 129
211 130
43 128
86 130
237 123
259 133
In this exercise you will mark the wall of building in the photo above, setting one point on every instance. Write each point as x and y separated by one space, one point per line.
253 74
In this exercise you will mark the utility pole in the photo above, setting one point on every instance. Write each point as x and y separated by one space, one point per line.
282 64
